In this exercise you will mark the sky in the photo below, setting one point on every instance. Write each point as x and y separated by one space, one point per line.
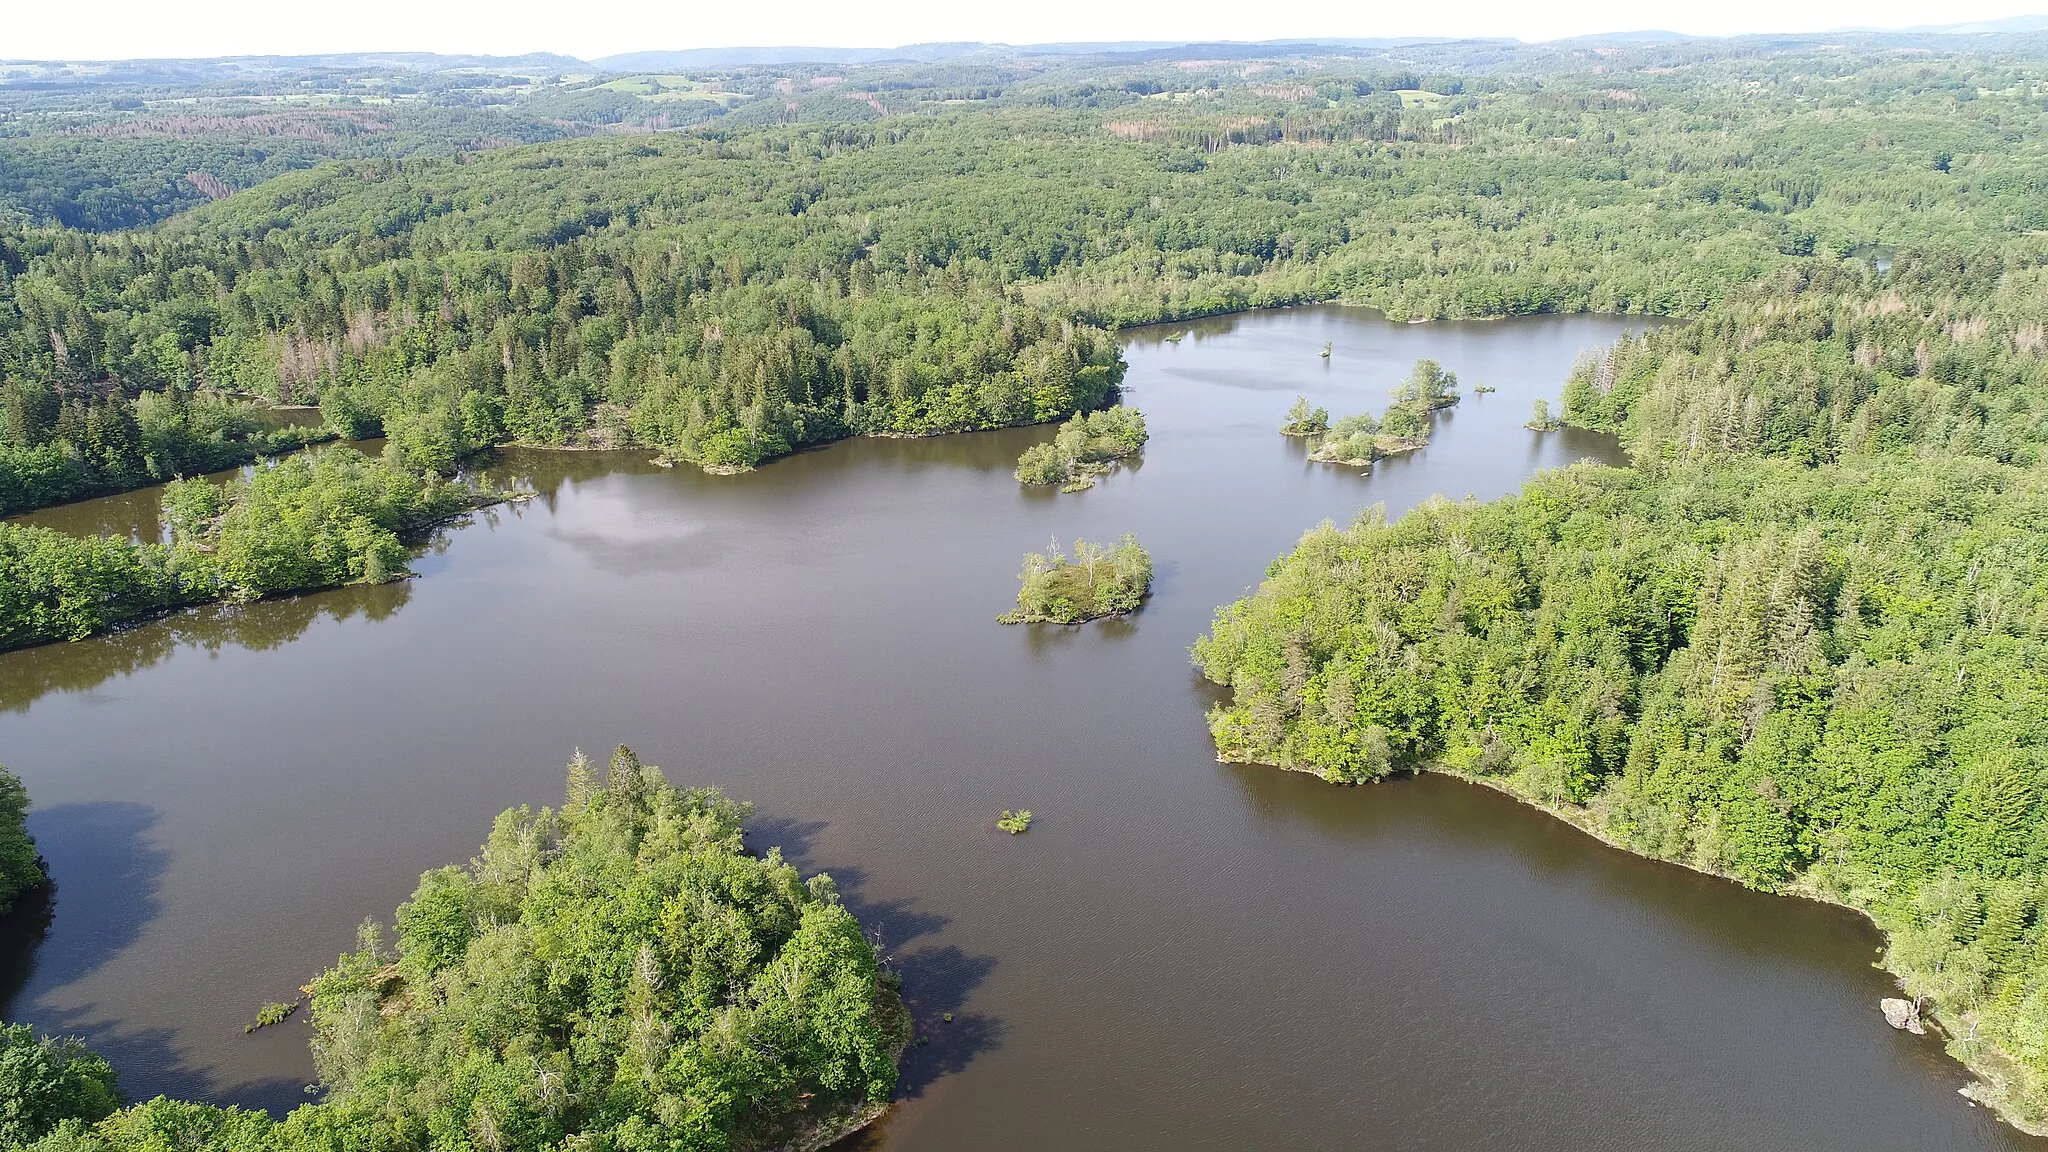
126 29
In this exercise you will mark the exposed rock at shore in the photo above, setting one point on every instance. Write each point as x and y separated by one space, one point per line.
1902 1014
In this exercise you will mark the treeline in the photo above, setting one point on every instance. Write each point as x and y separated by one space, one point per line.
21 866
1797 643
310 521
56 447
629 335
1942 355
724 298
619 972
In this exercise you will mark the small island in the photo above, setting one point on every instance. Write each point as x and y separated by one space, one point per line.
1084 448
1305 420
1427 388
1356 441
1097 582
1015 822
1543 421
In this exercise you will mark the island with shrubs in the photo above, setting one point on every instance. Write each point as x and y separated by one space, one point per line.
1084 448
1099 581
1358 440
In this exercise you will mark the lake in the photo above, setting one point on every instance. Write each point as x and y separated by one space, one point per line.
1179 954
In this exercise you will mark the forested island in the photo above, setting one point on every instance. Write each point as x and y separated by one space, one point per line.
619 972
1099 581
1358 439
1796 642
1084 449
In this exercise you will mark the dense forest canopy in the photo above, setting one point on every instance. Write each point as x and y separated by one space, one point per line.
726 295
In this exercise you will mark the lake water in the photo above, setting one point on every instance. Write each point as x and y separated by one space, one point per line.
1179 954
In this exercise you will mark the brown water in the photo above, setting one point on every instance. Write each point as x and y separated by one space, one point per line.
1180 954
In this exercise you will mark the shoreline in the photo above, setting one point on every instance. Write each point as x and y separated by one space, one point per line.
1018 618
1991 1069
412 537
1122 332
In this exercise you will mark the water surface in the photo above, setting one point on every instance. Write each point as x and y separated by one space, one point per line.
1180 954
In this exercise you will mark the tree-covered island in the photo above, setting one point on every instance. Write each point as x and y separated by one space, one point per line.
1097 582
1357 440
1084 448
619 973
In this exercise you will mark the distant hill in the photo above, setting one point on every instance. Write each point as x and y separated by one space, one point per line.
171 71
2011 25
1621 39
38 73
694 58
688 58
684 60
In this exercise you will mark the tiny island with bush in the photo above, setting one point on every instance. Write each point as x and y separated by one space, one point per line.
1097 582
1085 447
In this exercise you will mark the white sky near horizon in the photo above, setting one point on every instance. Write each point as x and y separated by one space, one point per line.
128 29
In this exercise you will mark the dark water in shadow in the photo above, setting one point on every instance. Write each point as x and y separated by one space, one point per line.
1180 954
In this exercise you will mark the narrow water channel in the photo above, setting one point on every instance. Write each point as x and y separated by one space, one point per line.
1179 954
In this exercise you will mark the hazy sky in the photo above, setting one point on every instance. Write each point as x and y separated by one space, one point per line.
113 29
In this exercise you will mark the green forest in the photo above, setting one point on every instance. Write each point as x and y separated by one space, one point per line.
1797 641
725 296
617 973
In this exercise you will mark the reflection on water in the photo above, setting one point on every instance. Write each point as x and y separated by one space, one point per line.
1178 954
267 624
22 931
